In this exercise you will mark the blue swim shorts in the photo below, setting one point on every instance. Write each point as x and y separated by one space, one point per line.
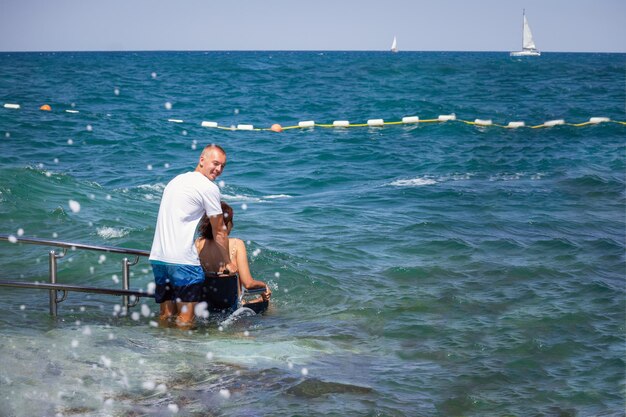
177 282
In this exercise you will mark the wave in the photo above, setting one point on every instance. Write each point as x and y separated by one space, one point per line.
107 232
414 182
431 180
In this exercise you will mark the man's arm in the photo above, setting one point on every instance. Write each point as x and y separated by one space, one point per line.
220 236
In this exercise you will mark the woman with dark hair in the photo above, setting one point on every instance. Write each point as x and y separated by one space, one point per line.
209 254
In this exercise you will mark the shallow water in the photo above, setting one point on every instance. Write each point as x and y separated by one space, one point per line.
417 270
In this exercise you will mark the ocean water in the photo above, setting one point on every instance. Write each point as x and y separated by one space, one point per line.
437 269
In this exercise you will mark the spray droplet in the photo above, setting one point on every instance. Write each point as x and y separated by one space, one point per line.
224 393
153 75
116 91
168 105
89 128
222 184
20 232
70 142
74 206
244 206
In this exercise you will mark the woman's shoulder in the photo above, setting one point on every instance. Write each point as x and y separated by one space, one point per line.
235 241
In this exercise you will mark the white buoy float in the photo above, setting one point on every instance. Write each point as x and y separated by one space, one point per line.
551 123
375 122
596 120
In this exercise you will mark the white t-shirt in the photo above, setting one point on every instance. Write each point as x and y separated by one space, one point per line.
185 199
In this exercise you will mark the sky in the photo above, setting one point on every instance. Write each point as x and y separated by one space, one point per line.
208 25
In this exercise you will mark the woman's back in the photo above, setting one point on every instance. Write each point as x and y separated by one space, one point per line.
209 254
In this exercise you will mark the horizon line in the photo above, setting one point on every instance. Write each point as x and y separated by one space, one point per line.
295 50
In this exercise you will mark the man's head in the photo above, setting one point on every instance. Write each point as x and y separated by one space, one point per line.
212 161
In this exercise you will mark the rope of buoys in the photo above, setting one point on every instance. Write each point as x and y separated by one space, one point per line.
410 120
407 120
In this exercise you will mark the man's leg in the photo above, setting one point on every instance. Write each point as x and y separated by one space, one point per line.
186 314
168 310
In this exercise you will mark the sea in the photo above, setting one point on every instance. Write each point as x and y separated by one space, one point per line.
440 268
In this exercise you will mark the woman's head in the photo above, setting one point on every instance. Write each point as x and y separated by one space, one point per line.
205 229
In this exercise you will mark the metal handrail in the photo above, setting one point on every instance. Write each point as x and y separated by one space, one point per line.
54 287
69 245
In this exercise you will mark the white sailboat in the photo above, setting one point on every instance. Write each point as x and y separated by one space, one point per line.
394 45
528 44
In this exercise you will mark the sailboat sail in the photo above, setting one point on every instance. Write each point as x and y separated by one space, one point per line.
527 39
394 45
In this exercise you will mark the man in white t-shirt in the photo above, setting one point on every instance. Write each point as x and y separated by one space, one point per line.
177 272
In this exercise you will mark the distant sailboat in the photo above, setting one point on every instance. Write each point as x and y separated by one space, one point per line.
394 45
528 44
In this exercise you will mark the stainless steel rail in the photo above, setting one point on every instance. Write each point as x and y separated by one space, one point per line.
54 287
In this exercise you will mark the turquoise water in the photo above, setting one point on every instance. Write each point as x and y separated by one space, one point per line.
417 270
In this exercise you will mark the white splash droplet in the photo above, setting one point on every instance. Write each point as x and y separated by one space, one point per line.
173 408
222 184
304 371
89 128
244 206
116 91
224 393
74 206
168 105
70 142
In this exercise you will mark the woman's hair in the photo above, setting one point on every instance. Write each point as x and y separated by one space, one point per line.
205 229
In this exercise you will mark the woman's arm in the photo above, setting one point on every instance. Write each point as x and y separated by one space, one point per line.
244 269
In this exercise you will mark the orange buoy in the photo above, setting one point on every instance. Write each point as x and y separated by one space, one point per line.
276 128
45 107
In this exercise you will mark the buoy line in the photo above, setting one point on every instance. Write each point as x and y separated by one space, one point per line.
407 120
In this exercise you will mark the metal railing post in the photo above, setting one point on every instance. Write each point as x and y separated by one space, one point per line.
126 281
53 279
